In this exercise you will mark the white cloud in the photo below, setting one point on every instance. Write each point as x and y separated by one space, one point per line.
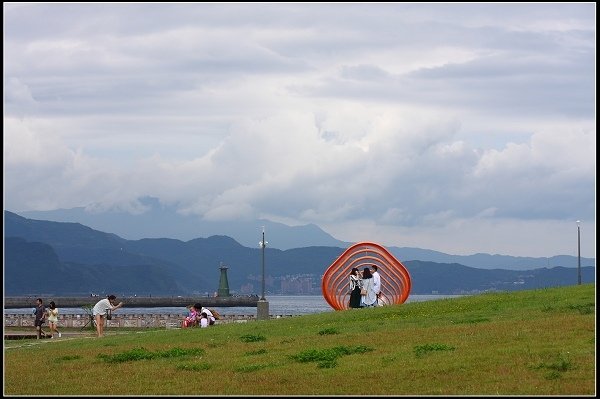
407 122
18 95
488 235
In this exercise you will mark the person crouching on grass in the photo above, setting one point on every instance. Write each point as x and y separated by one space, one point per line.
100 311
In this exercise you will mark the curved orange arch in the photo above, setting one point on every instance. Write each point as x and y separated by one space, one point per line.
395 279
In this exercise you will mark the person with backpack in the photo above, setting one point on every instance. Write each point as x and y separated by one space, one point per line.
201 309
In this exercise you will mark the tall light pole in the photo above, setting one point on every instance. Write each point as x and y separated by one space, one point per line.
262 306
263 244
578 254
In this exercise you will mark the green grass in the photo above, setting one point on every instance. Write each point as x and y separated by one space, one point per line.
538 342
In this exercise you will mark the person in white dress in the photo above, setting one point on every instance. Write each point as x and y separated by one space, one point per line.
369 299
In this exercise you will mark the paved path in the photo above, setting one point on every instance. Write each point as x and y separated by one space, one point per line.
22 338
29 334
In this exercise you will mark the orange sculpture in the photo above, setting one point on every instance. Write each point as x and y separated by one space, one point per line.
395 280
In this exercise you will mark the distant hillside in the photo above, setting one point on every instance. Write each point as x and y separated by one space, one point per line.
161 221
165 222
32 268
447 278
70 257
487 261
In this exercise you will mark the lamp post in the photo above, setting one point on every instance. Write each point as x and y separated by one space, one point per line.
263 245
578 254
262 306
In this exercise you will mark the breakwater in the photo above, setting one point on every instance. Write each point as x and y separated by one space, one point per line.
136 302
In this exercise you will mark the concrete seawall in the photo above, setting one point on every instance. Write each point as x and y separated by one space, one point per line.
130 320
135 302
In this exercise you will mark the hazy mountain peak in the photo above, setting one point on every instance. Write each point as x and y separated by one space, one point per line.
160 221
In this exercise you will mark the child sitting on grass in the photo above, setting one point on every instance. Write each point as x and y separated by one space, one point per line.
190 320
203 320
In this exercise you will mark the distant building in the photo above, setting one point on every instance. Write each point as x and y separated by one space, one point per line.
298 284
247 288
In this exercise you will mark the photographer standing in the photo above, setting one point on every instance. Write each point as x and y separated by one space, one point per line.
101 310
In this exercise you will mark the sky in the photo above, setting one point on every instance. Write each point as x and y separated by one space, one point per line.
462 128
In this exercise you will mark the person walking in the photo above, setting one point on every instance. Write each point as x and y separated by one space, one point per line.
355 286
100 312
368 296
52 313
376 284
40 317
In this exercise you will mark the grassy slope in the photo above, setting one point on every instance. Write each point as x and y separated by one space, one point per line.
539 342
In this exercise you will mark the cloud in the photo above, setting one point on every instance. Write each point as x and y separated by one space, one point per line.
16 92
407 121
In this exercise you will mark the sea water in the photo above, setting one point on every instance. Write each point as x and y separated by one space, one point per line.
278 305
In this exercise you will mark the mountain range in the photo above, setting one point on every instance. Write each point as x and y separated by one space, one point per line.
65 258
161 221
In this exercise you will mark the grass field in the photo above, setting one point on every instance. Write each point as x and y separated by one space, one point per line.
539 342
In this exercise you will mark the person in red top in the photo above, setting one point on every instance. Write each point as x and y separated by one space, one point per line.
190 320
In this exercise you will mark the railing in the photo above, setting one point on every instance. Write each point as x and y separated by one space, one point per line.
129 320
136 302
